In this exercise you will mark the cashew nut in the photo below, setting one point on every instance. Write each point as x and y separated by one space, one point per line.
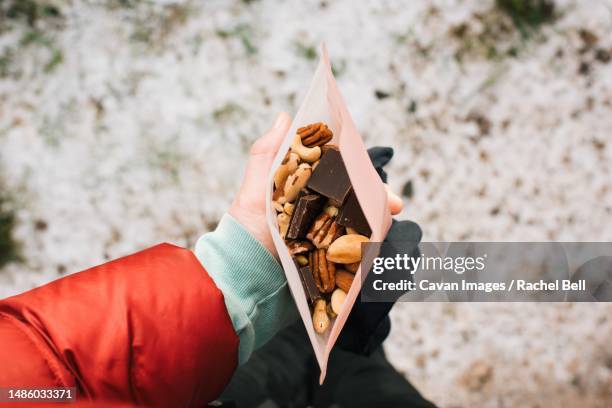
337 301
308 154
283 223
295 182
331 210
330 311
288 166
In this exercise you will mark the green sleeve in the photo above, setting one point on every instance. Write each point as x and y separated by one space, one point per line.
252 281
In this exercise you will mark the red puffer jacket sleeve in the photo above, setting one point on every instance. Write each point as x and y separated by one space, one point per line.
150 329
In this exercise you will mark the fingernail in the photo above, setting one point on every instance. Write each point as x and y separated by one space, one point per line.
279 121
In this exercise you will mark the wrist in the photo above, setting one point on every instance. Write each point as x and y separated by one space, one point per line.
252 281
255 223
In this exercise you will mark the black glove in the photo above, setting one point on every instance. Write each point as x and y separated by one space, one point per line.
368 323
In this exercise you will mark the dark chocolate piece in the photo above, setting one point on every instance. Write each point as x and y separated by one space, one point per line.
306 210
330 178
310 286
328 146
351 215
303 192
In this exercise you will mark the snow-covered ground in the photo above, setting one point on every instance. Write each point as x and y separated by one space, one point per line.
121 127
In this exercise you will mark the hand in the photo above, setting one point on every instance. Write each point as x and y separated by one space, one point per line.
368 323
249 206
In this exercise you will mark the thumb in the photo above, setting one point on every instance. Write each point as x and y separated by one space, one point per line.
394 201
260 159
249 205
269 143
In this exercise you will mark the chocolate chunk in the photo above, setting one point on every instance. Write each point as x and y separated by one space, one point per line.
330 178
310 286
328 146
306 210
303 192
351 216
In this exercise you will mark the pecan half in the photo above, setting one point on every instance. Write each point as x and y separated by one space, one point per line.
299 247
316 134
323 271
323 231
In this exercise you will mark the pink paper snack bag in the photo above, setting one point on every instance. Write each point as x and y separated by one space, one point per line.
324 200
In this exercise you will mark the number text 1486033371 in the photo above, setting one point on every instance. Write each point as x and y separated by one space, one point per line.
8 394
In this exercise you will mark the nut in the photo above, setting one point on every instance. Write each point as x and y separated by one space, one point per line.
323 271
323 231
331 210
344 279
308 154
346 249
277 195
320 320
288 208
288 166
337 301
330 311
295 182
283 224
301 260
316 134
299 247
352 267
277 206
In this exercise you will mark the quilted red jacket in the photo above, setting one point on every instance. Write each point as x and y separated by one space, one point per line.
147 329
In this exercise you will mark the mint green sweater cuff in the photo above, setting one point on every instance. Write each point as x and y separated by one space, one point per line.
252 281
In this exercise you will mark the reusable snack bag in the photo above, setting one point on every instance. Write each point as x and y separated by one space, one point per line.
323 103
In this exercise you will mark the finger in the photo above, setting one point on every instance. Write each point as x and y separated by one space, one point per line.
380 155
395 202
261 157
269 143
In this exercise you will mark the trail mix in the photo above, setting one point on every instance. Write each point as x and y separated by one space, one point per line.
320 220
